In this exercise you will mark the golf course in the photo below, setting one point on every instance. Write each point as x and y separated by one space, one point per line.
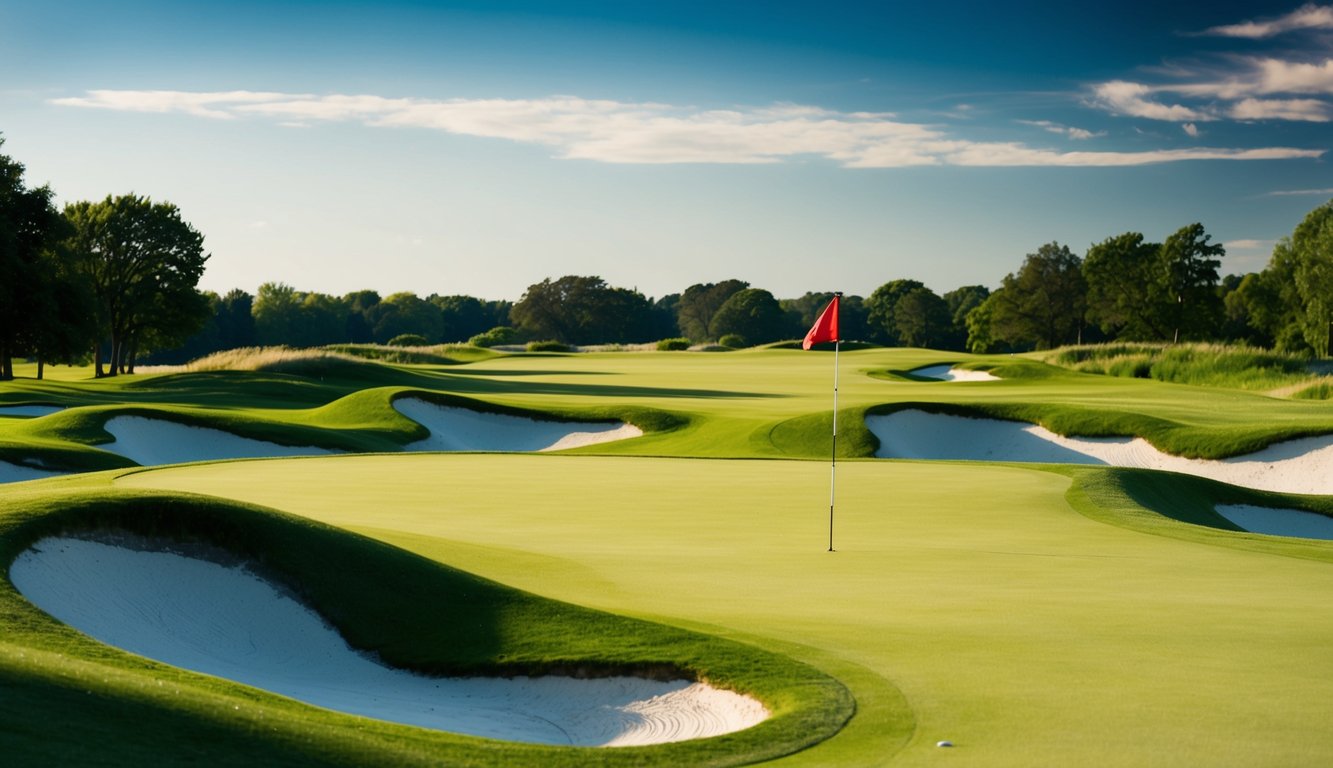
625 558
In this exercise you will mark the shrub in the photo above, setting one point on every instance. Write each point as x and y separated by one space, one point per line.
549 346
500 334
673 345
408 340
732 340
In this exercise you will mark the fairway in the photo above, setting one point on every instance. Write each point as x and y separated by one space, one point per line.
1011 624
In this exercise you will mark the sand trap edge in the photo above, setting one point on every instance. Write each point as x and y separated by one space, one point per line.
108 580
1275 521
948 372
1293 466
457 428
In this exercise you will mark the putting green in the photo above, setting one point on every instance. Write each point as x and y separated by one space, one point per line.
977 596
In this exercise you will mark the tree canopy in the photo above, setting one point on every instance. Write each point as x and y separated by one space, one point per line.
143 262
38 298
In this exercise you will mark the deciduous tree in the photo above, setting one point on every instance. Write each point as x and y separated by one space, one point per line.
698 304
143 262
1042 304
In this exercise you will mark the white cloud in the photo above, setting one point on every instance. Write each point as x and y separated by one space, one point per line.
1190 130
1309 16
1295 85
1308 110
217 105
622 132
1248 245
1132 99
1302 192
1278 76
1070 132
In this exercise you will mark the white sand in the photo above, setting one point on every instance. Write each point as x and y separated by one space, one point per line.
947 373
28 410
461 429
1278 522
224 621
150 442
1296 466
16 473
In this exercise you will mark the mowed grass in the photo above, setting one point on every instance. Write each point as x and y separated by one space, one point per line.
409 611
754 403
987 600
1032 617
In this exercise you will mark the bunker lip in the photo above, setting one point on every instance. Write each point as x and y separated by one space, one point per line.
949 373
198 611
1275 521
454 428
17 473
31 411
1294 466
150 442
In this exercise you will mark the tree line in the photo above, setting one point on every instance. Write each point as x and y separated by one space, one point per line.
115 282
105 280
1124 288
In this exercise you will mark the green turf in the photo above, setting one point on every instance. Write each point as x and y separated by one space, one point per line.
1033 616
1015 626
411 612
755 403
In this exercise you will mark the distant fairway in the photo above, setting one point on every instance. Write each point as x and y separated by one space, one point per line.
1016 627
1030 614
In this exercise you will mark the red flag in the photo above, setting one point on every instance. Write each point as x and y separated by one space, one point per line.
826 327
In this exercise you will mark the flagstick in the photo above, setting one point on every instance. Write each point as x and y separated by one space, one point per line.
833 466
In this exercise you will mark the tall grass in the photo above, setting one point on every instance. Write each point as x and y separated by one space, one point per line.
273 359
432 354
1213 365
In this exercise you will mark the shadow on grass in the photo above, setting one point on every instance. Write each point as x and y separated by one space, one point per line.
409 611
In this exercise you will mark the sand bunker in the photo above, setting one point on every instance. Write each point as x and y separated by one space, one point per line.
28 410
460 429
225 621
1278 522
15 473
150 442
947 373
1295 466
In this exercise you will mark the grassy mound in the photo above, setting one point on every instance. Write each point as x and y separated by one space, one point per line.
409 611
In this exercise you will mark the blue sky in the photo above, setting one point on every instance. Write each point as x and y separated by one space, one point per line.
479 147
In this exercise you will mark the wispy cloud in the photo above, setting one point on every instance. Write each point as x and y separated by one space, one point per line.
1309 16
1302 192
1135 100
219 105
1293 85
1070 132
1190 130
1309 110
626 132
1248 245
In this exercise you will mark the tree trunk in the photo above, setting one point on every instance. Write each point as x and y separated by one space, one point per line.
6 364
116 349
97 360
41 366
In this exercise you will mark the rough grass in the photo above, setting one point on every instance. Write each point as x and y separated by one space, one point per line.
1212 365
434 354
